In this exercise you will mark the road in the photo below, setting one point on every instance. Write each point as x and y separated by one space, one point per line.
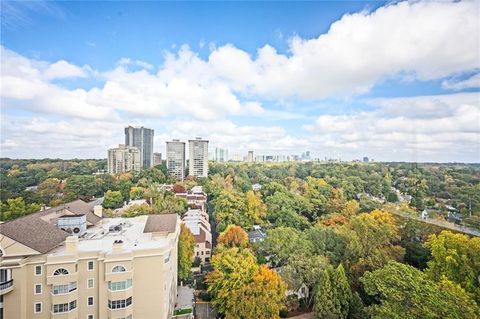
440 223
203 310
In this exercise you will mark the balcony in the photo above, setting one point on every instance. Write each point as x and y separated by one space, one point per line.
118 276
62 279
6 287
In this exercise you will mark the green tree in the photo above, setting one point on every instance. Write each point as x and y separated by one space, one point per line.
326 304
256 209
48 190
402 292
186 246
112 199
82 187
456 257
262 298
15 208
233 269
136 192
283 242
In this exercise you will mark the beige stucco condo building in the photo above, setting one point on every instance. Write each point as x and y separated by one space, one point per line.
69 262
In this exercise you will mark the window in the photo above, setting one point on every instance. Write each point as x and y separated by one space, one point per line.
38 270
38 289
38 307
118 304
207 252
90 301
64 289
90 283
90 317
60 272
64 307
90 265
119 285
118 269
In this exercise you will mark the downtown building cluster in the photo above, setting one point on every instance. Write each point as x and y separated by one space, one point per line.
137 153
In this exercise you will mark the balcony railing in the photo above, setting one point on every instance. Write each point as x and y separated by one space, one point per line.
6 284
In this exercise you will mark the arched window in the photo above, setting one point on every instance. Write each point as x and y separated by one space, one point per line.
118 269
60 272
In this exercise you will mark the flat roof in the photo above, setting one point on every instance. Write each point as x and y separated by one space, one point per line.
100 238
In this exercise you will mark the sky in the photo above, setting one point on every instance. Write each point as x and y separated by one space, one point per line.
390 80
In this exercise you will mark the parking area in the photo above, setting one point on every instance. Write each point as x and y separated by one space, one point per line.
203 310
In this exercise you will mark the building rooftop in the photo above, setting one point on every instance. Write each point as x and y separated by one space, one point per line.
134 233
34 233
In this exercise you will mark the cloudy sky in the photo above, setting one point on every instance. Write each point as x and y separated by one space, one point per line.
395 81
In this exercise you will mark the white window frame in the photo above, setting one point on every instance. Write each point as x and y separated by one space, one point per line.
35 289
93 283
35 270
35 307
93 301
88 265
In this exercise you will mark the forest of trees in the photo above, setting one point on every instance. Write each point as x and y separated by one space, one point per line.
327 228
356 259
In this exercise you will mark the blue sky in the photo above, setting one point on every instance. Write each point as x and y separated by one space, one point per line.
388 80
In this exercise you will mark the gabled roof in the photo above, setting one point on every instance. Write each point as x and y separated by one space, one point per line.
34 233
161 223
77 207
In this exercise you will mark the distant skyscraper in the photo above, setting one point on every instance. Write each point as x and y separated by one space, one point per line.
157 159
176 159
221 155
123 159
198 157
250 157
141 138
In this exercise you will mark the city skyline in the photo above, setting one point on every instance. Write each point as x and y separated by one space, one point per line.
303 80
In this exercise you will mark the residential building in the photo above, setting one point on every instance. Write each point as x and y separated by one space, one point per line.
176 159
157 159
250 157
220 155
197 221
256 234
69 262
141 138
123 159
198 157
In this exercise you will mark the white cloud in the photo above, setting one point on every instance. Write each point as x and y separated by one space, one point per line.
471 82
63 69
414 40
419 40
416 129
40 137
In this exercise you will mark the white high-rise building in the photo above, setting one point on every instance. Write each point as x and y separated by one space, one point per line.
250 157
198 157
221 155
141 138
176 159
123 159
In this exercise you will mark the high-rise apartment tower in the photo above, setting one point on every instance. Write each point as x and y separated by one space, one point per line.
176 159
141 138
123 159
198 157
